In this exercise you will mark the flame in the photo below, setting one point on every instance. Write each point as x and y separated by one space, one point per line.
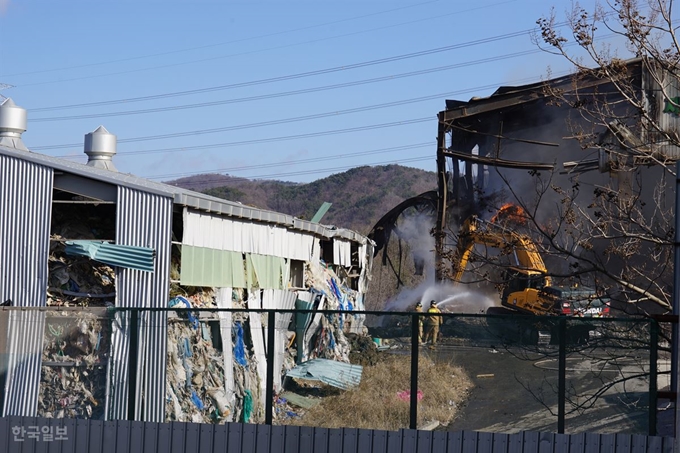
510 212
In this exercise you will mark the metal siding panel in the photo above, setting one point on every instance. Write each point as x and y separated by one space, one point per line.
639 444
439 441
577 443
350 439
379 441
469 442
455 444
5 434
192 438
546 442
163 437
424 441
144 220
623 443
68 445
137 434
335 440
25 213
561 442
654 445
234 441
306 439
393 442
177 436
264 433
320 440
122 436
83 433
95 441
205 437
219 438
516 443
249 438
108 438
592 442
500 443
292 440
485 442
364 440
607 444
278 436
530 442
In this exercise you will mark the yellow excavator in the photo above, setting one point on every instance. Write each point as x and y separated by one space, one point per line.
527 287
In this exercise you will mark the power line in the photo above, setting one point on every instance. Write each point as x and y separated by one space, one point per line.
262 50
290 76
299 161
235 41
290 93
276 122
270 139
325 170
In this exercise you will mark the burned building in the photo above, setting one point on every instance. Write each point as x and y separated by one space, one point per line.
561 147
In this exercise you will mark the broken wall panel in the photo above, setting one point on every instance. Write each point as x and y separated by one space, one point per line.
143 220
201 266
239 235
25 204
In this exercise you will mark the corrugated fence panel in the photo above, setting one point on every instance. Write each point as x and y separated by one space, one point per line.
25 213
143 220
121 436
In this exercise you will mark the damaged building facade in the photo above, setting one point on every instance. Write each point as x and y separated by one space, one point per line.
567 140
87 243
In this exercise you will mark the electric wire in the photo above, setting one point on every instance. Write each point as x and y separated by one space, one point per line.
286 77
266 50
289 93
235 41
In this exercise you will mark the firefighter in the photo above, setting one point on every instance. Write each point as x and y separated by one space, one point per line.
419 309
433 323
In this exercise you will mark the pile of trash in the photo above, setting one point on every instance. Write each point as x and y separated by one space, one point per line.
78 280
198 390
74 364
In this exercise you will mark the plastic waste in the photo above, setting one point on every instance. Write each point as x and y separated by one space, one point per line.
239 349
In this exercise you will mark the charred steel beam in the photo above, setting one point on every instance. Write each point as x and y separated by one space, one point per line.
442 190
523 94
495 162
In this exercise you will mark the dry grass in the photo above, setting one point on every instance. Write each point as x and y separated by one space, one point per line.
374 404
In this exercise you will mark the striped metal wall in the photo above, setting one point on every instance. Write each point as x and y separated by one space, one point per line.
96 436
25 213
143 220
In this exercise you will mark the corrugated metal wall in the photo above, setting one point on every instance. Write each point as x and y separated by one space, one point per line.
143 220
95 436
25 213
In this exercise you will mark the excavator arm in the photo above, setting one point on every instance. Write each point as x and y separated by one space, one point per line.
476 231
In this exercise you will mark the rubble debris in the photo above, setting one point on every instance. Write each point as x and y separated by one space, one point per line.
330 372
74 363
304 402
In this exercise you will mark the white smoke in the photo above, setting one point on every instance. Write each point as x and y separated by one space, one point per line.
448 297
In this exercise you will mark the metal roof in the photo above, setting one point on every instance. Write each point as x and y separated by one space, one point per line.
183 197
506 96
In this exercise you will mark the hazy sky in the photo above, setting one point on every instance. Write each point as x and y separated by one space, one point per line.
290 90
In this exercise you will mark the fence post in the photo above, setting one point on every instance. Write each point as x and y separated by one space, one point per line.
132 365
269 394
562 375
415 344
653 373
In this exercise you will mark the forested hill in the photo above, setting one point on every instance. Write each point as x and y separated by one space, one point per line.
360 196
